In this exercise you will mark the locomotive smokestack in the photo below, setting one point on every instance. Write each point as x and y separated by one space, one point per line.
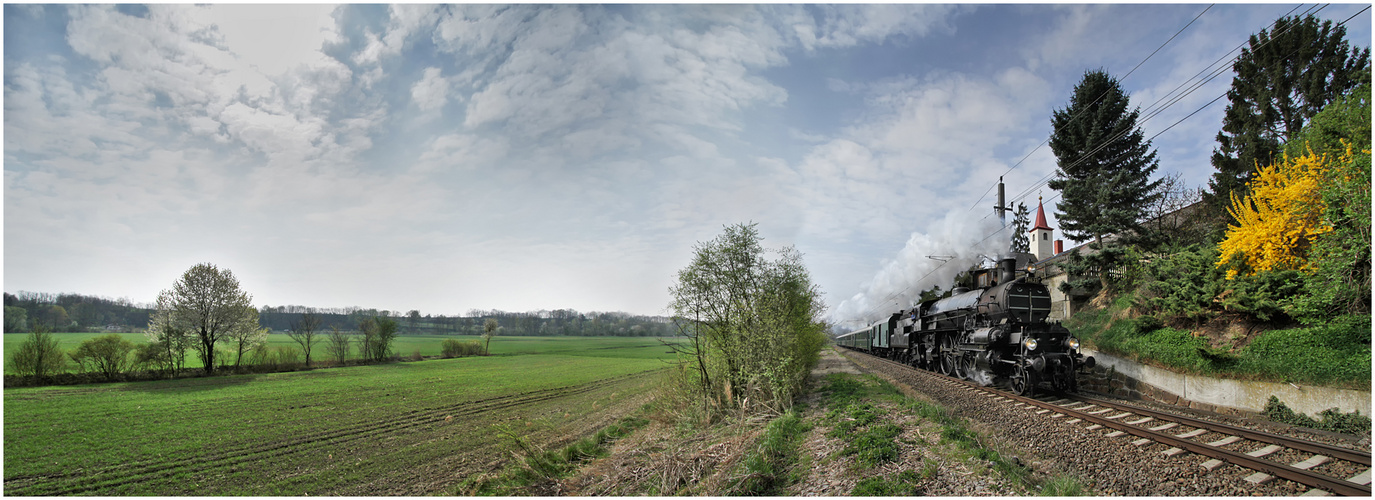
1007 269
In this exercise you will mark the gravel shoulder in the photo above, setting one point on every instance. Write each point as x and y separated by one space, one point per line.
1108 466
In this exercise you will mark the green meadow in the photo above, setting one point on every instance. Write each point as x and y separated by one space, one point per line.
390 429
404 345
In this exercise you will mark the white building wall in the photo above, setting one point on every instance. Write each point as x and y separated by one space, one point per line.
1042 244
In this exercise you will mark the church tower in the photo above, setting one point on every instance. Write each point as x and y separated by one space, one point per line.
1042 239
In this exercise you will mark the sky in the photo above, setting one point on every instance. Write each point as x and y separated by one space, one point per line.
446 158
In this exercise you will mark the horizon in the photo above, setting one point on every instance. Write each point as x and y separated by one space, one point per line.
449 158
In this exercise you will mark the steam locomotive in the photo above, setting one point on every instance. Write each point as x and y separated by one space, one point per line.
996 334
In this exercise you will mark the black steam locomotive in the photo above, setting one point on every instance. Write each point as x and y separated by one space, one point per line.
995 334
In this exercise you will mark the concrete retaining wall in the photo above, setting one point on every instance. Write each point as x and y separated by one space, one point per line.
1126 378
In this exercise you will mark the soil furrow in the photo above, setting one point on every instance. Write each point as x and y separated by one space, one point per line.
148 470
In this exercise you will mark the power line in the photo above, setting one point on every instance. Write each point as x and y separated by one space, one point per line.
1220 70
1100 97
1214 74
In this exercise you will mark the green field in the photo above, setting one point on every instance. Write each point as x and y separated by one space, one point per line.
405 345
392 429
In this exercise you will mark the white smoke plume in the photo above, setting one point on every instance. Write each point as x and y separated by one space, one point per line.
961 234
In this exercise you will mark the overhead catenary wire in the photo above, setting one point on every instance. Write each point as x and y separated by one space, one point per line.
1100 97
1217 72
1170 103
1215 69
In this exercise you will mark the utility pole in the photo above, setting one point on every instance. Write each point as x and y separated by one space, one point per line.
1001 207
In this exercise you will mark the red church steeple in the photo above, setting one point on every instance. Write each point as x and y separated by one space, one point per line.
1040 216
1042 234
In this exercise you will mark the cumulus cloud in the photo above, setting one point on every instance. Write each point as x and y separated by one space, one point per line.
430 93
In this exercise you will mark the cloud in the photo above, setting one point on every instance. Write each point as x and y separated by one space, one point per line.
922 143
275 41
830 26
431 92
555 143
610 82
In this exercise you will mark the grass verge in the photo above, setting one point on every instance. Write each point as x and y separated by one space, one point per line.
860 414
1333 354
539 466
770 467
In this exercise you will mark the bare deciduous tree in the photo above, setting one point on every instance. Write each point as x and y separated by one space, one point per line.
367 338
246 334
303 332
338 345
170 338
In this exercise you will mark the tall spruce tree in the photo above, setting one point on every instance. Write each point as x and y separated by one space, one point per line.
1283 78
1021 224
1105 163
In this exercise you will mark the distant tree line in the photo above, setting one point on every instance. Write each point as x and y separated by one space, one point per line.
545 323
71 312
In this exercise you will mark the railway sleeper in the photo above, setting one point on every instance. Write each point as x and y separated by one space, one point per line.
1314 461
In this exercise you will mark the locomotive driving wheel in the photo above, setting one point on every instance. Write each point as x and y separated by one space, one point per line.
967 367
949 362
1020 382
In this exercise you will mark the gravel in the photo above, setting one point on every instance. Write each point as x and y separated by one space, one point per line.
1110 466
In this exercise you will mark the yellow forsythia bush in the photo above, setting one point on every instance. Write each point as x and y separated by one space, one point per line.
1280 218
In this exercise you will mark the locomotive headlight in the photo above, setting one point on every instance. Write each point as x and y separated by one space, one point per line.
1030 344
1073 343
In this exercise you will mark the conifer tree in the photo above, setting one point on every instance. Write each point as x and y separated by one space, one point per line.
1105 163
1285 77
1021 220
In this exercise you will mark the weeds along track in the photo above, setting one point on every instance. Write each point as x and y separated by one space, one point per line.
90 481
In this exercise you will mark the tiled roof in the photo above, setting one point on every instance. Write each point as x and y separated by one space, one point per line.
1040 217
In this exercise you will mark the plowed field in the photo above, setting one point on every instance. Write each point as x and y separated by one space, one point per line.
398 429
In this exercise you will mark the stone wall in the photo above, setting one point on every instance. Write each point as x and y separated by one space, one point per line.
1132 380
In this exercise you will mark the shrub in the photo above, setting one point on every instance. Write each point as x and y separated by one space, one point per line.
1335 352
40 355
1278 220
1263 295
287 357
151 356
1181 284
261 355
107 355
453 348
1332 419
754 326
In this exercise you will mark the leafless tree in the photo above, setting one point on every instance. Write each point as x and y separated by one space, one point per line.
303 332
338 345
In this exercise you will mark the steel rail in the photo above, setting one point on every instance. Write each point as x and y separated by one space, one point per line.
1309 478
1349 455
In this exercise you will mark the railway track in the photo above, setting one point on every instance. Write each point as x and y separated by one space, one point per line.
1182 434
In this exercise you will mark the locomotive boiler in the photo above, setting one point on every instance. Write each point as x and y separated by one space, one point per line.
998 333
